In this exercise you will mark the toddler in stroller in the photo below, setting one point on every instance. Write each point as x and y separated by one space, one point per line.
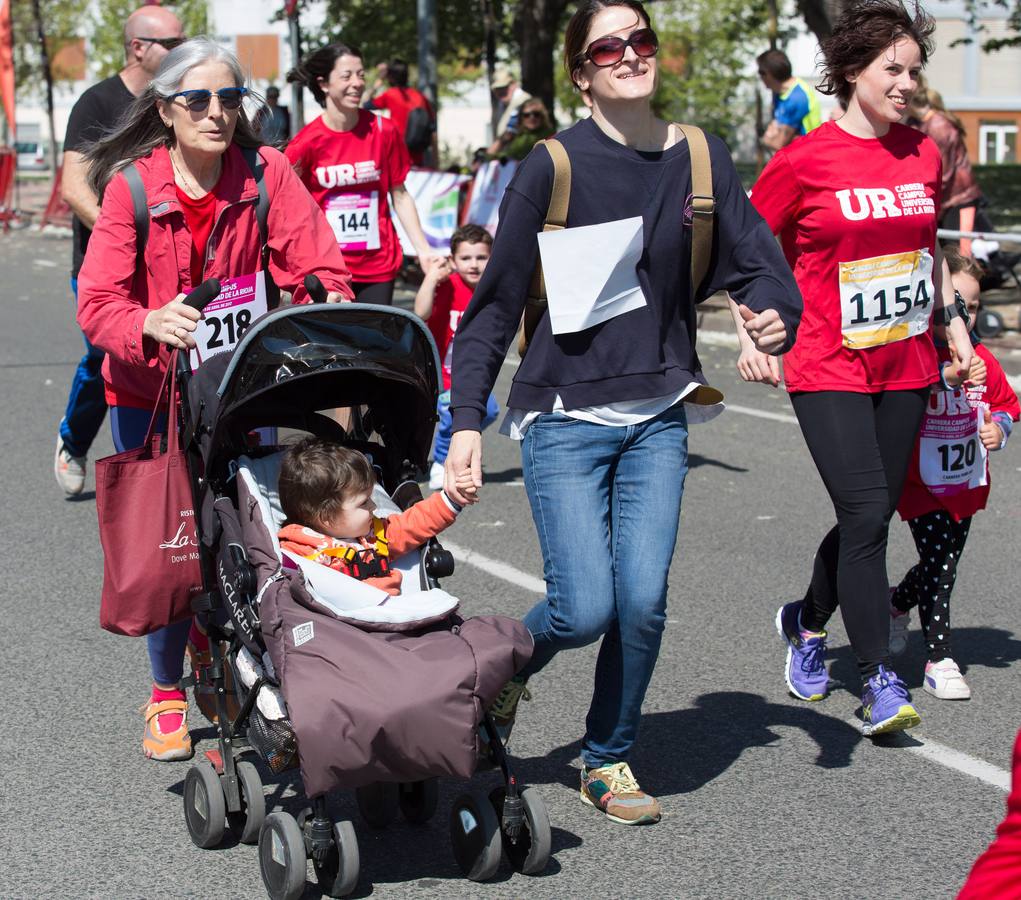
362 688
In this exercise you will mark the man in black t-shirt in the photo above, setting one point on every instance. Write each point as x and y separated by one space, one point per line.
149 34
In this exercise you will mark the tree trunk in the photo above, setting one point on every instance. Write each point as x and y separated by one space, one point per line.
537 24
819 15
44 61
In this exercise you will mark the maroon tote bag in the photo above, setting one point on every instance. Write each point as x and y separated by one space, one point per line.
147 528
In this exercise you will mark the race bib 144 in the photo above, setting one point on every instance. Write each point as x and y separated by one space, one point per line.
885 298
354 218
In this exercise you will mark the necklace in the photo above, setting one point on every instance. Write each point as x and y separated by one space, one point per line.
192 188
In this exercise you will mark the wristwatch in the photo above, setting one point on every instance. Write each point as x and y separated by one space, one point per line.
958 310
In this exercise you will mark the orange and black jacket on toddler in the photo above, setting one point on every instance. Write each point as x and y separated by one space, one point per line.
949 470
389 538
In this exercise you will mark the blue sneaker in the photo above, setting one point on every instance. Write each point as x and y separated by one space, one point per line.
886 705
805 672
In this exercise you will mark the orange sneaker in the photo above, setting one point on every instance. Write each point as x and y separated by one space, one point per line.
205 694
166 746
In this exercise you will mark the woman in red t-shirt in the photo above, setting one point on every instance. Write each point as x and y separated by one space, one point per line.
354 164
855 204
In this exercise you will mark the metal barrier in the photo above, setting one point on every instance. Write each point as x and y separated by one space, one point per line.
57 211
1002 236
8 167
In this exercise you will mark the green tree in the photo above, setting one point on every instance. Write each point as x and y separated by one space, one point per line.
107 38
62 24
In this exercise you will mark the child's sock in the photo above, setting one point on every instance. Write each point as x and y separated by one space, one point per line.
169 722
198 639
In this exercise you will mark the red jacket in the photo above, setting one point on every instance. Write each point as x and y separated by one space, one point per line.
114 296
996 874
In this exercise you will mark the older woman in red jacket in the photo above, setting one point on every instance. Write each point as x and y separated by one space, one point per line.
185 136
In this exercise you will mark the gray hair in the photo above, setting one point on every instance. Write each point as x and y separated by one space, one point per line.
142 129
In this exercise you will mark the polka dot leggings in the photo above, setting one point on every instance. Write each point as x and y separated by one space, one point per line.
940 542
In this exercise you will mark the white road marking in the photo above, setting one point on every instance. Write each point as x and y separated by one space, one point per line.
927 748
48 263
761 413
495 567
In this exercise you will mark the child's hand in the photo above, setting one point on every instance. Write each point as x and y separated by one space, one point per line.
978 372
989 432
753 365
439 269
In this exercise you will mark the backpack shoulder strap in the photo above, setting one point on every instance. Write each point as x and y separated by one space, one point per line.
703 204
556 214
258 166
141 206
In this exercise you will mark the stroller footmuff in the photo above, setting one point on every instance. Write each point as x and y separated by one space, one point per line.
358 689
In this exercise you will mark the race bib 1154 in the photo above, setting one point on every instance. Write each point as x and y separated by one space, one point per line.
885 299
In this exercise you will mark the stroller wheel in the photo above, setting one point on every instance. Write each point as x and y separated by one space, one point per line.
338 872
418 800
378 803
282 857
205 809
247 823
475 836
530 853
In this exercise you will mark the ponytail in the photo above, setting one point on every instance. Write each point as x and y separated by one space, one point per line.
319 64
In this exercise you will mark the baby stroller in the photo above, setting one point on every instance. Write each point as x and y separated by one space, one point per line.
382 697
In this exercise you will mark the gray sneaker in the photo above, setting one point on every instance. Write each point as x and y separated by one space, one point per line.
70 470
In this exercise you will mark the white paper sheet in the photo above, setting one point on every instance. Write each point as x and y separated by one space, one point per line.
591 274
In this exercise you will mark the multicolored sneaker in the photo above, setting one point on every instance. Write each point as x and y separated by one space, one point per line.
899 623
805 672
69 470
166 746
504 709
886 705
944 681
614 791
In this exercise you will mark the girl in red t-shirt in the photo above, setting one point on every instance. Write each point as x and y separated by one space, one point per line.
948 483
354 164
855 203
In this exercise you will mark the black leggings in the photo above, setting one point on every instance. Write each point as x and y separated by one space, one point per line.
861 444
379 292
940 541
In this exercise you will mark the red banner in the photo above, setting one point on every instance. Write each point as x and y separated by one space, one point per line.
7 64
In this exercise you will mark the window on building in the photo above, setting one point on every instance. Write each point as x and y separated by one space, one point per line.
997 142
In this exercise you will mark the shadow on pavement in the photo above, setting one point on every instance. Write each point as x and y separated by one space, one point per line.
707 739
695 461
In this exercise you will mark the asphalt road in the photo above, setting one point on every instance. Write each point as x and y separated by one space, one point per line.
764 796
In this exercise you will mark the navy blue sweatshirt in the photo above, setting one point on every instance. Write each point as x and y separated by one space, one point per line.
647 352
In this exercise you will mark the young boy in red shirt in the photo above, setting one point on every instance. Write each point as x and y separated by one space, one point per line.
948 482
443 297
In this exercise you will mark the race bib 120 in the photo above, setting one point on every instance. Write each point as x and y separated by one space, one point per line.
951 457
225 320
354 218
885 298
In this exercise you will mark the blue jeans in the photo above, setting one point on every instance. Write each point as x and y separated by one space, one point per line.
606 502
443 433
166 646
86 404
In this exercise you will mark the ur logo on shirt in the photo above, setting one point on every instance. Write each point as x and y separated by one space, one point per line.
344 174
882 203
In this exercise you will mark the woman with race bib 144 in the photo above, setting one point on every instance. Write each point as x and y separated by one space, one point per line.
855 205
189 146
354 163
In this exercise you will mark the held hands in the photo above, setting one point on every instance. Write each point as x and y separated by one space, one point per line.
437 268
961 350
336 297
463 469
766 329
173 324
989 432
755 366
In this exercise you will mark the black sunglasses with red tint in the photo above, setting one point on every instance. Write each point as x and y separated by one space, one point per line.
198 99
532 114
165 43
610 50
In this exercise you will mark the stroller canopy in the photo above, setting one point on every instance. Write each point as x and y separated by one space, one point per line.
300 359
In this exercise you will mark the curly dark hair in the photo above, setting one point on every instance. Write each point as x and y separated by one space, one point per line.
865 30
318 64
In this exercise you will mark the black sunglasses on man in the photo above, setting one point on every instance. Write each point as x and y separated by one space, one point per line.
165 43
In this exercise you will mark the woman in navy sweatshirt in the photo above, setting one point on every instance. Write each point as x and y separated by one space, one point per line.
601 412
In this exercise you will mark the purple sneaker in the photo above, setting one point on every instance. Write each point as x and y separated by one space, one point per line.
805 672
886 705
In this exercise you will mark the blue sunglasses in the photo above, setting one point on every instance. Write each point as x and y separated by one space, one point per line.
198 100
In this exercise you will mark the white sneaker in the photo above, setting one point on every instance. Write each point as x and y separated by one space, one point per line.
945 682
899 623
70 470
436 476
